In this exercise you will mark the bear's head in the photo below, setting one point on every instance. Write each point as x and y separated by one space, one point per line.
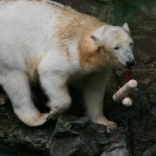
116 43
106 46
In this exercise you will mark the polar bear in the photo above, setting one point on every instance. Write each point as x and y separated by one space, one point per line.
54 43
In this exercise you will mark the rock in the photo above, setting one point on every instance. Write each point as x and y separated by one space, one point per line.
3 98
7 151
144 134
152 106
15 137
75 136
32 138
150 152
118 148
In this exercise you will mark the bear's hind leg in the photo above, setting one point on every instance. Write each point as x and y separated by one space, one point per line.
16 85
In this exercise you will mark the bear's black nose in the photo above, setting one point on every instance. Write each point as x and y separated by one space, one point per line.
130 63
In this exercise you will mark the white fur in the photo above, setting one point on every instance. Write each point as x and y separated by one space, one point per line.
29 42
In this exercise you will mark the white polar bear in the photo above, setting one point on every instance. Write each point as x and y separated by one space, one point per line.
53 43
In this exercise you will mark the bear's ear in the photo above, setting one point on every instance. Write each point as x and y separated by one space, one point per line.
126 27
96 40
97 34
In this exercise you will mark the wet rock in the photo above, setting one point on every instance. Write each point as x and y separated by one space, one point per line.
78 137
144 134
20 139
117 148
3 98
32 138
152 106
150 152
7 151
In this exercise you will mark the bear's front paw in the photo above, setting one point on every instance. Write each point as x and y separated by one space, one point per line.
39 120
53 115
110 126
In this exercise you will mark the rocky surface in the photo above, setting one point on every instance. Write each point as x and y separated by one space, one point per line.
150 151
144 136
70 136
75 136
19 139
117 148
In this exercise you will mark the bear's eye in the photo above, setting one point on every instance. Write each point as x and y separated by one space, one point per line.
131 44
116 48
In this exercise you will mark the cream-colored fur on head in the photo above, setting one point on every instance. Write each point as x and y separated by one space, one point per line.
48 41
